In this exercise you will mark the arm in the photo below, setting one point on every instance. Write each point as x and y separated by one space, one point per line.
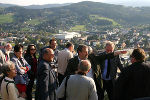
93 92
28 67
121 85
104 56
61 90
19 70
119 64
1 58
43 77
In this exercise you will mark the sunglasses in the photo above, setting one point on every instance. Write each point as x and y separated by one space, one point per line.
32 49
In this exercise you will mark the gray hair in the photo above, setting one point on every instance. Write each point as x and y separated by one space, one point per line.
6 67
84 65
109 43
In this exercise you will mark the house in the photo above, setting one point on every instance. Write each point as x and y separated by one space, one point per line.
67 35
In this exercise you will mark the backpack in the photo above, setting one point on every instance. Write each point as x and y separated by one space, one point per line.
7 84
1 79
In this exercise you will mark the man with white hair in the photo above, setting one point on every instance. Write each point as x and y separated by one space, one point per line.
79 86
109 69
4 54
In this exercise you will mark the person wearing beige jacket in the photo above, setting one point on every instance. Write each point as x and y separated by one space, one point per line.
8 88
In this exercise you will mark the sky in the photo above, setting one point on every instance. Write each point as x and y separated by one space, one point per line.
41 2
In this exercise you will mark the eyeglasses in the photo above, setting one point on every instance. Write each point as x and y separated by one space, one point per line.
32 49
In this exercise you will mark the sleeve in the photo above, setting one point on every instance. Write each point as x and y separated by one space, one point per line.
121 85
1 59
70 55
13 95
61 90
27 65
93 92
119 64
71 68
104 56
43 77
19 70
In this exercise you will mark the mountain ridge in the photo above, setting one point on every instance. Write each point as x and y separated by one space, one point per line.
91 15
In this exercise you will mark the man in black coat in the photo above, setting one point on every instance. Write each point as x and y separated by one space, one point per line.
46 78
134 81
109 68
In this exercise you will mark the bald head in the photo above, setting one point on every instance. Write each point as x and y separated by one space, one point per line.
84 66
48 54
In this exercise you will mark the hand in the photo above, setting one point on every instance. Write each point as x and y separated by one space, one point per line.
120 52
23 95
123 52
24 68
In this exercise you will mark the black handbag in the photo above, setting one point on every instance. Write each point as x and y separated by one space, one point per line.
64 98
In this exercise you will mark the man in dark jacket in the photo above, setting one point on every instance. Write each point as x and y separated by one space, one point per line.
46 78
134 81
109 68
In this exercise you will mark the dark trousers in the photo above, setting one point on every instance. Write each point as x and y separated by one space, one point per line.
29 87
60 78
108 87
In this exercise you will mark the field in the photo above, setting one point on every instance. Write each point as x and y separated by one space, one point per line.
78 28
33 22
7 18
94 17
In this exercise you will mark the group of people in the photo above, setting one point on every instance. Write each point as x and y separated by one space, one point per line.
60 75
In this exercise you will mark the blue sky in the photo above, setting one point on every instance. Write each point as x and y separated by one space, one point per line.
41 2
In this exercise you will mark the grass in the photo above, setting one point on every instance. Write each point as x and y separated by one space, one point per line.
7 18
95 17
25 29
78 28
33 22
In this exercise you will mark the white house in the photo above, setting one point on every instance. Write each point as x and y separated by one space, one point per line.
67 35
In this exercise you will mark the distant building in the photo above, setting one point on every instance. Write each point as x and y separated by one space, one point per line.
67 35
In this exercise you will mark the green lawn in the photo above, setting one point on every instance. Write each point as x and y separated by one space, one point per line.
78 28
33 22
7 18
94 17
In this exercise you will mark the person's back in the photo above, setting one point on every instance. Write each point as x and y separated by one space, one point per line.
9 91
81 87
134 81
63 59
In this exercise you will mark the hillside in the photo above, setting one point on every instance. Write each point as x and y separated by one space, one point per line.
86 16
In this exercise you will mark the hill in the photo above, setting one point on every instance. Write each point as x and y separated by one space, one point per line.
89 16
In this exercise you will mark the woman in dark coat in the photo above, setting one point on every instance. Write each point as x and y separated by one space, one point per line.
30 57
